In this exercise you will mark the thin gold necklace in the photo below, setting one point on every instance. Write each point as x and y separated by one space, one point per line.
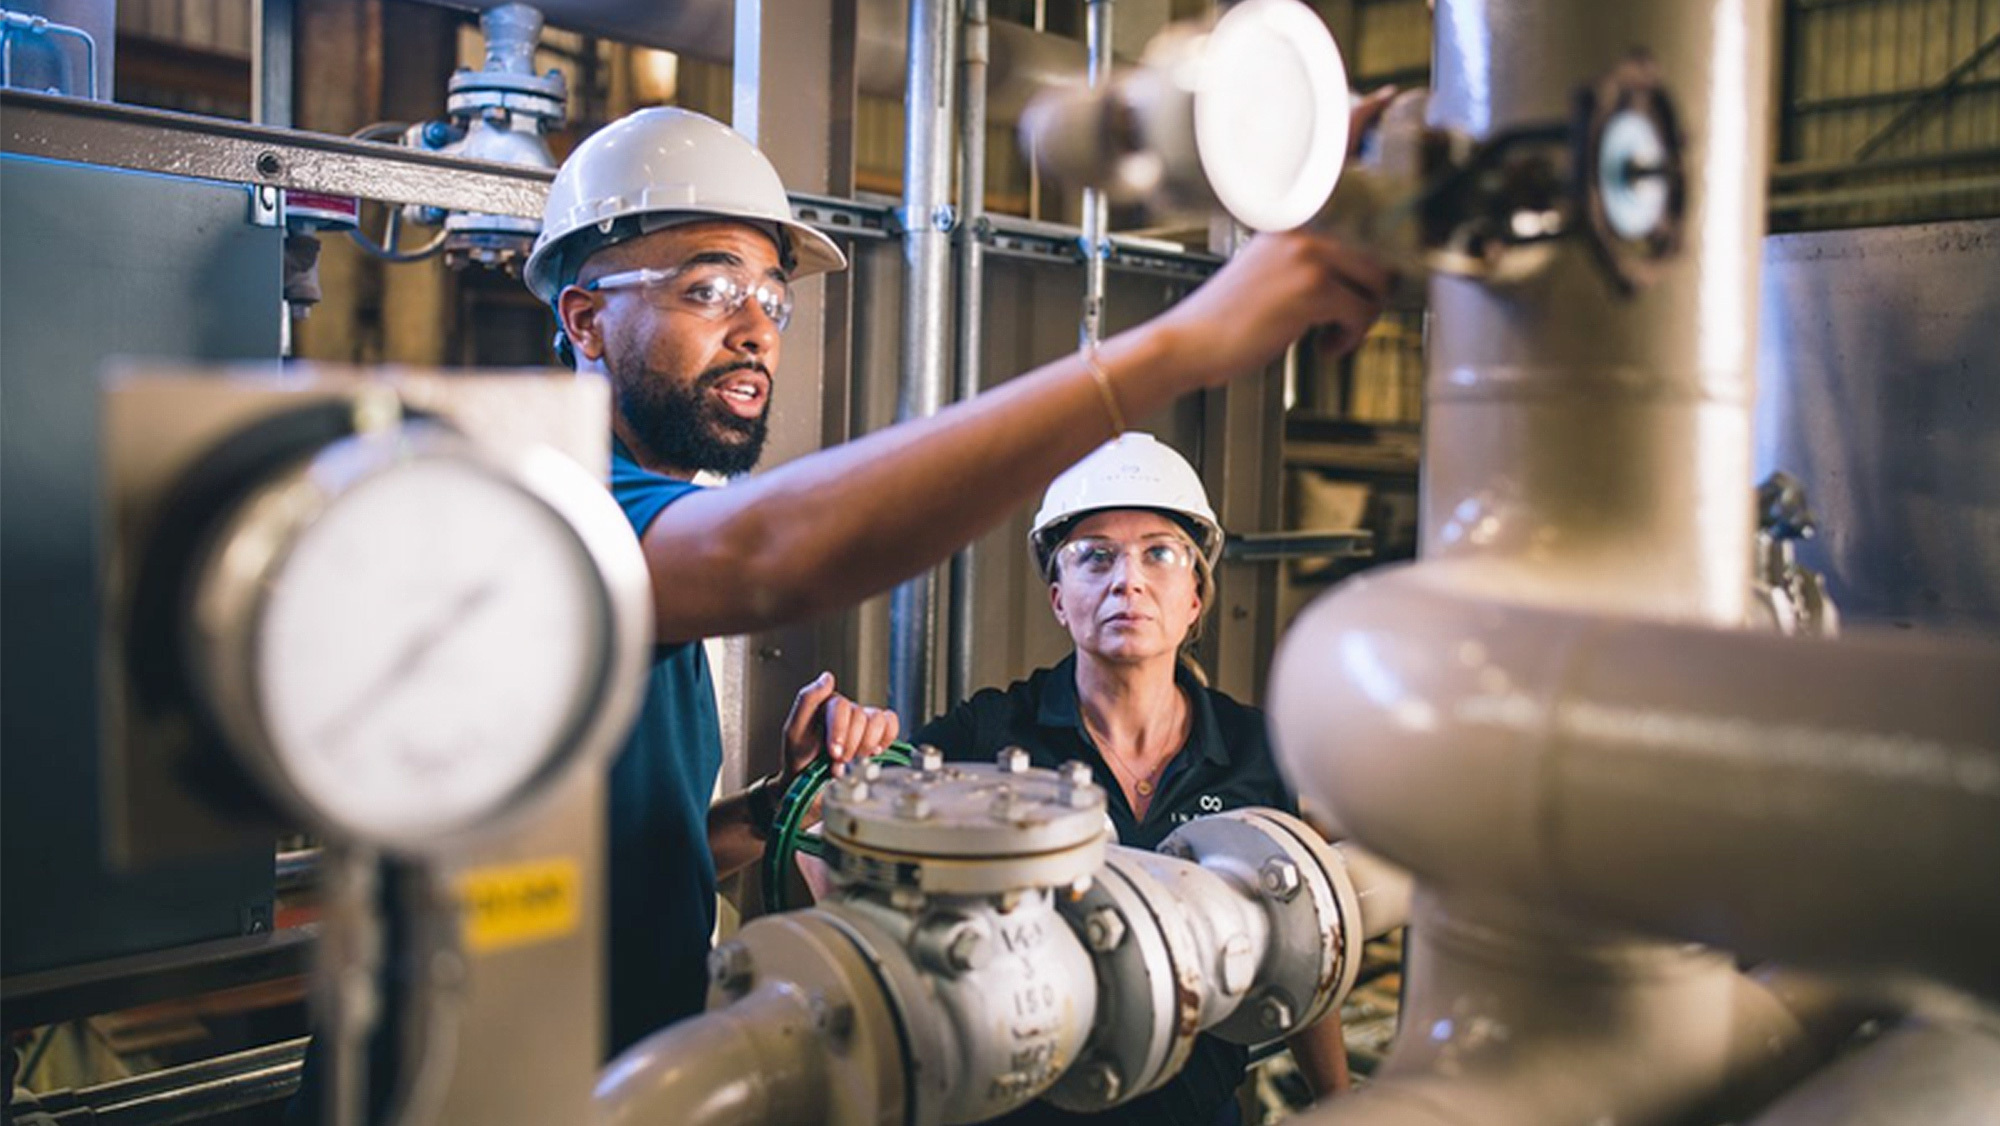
1143 785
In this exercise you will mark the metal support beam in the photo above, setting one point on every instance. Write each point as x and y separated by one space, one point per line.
208 148
1930 99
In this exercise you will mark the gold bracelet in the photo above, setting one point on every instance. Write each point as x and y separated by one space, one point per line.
1103 380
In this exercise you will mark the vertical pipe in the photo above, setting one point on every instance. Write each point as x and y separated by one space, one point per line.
971 307
928 222
1594 449
1589 451
271 65
1096 213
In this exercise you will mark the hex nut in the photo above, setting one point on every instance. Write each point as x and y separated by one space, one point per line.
912 806
1103 930
930 760
1013 760
1280 879
968 948
1274 1013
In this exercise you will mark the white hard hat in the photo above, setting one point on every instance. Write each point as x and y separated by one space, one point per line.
1133 470
655 166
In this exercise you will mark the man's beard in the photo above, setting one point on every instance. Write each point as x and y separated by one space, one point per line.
687 427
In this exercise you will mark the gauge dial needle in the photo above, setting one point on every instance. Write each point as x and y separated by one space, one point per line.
419 646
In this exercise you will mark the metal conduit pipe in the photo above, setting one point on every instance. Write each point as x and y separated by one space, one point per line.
975 46
928 220
1785 798
1096 208
48 28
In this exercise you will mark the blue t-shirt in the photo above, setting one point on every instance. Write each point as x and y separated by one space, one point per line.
662 875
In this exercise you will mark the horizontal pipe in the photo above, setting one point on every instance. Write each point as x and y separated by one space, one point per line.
758 1062
1382 889
1818 803
1921 1071
1519 1018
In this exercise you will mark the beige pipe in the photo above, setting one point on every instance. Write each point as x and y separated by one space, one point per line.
1522 1019
759 1062
1794 799
1601 442
1933 1073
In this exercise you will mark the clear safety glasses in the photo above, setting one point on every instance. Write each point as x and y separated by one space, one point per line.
1157 557
711 290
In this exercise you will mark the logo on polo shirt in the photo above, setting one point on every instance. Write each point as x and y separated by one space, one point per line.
1211 803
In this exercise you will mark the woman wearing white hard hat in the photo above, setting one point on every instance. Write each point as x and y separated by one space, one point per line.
1128 542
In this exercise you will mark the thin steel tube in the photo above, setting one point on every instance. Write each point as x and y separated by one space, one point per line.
928 220
971 307
13 23
1096 211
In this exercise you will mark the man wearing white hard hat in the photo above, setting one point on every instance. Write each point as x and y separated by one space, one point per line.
667 253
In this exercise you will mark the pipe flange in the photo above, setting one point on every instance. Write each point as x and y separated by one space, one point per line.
550 86
967 829
852 1004
1302 885
1149 988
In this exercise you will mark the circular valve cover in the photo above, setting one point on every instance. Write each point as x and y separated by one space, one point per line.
967 828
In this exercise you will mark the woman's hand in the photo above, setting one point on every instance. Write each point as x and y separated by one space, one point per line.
822 720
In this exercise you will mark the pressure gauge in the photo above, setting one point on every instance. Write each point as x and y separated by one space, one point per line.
407 634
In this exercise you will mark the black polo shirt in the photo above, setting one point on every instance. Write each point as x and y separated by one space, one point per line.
1226 764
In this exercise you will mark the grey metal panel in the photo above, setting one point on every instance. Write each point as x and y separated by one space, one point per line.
1879 369
97 263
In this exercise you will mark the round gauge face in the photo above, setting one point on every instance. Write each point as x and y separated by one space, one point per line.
425 647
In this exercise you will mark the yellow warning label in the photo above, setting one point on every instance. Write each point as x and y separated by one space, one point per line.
518 904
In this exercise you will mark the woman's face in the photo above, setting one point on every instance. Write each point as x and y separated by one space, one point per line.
1125 586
